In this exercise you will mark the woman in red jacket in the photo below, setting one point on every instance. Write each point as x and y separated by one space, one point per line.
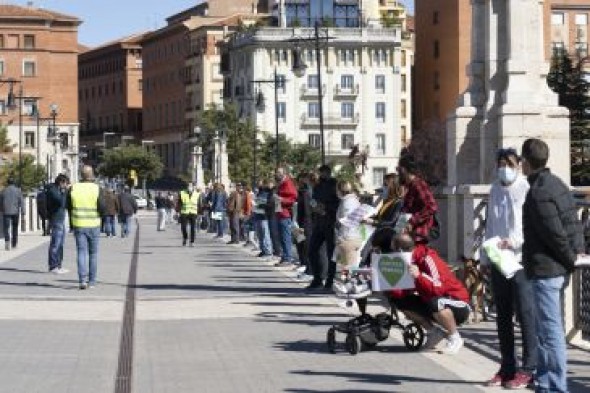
439 298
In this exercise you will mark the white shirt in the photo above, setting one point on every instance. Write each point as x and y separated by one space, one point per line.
504 214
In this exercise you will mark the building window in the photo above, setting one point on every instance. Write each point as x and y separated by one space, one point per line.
403 56
29 68
581 49
1 41
29 139
64 137
404 82
28 107
380 112
347 141
403 109
581 19
312 81
313 110
378 176
436 80
139 85
282 111
404 134
557 19
2 107
435 18
281 83
380 83
29 41
380 144
347 110
1 67
346 82
436 49
347 56
314 140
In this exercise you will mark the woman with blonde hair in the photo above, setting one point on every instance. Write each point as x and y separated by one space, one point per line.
348 238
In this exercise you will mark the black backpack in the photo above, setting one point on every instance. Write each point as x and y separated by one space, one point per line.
434 232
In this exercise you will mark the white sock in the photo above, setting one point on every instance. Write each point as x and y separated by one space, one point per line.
455 336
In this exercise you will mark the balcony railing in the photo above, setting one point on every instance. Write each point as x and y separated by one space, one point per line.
346 91
331 119
311 91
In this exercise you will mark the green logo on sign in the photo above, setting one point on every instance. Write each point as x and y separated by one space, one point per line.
392 269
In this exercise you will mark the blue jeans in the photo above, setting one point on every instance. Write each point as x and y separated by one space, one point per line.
109 226
219 225
87 247
552 362
263 233
56 244
125 220
285 238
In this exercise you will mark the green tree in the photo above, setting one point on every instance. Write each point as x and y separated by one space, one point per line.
5 145
568 81
121 160
32 175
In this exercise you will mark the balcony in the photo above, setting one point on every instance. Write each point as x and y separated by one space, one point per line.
331 120
348 91
310 92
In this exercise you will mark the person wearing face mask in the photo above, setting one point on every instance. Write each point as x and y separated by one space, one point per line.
188 204
504 220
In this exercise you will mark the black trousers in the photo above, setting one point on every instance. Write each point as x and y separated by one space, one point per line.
512 296
188 219
11 222
323 268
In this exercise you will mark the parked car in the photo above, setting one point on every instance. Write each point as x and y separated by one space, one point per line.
141 202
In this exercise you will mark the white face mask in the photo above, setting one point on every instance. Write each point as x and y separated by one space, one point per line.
507 175
191 189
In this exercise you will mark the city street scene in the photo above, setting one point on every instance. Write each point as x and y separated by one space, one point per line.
294 196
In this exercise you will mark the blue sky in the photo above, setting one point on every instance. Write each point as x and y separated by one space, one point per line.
106 20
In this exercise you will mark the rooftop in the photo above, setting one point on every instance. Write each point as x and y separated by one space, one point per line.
10 11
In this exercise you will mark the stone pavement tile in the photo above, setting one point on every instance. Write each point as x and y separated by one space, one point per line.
26 242
64 357
26 275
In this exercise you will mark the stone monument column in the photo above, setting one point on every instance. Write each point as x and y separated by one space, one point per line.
197 166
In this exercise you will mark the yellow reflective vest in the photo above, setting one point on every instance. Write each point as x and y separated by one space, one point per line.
84 198
189 203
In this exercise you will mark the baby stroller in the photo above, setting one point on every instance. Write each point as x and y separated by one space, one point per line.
366 331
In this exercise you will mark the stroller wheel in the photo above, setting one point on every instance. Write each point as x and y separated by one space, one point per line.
413 336
353 343
331 340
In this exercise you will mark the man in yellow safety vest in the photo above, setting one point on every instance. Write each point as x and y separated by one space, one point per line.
85 205
188 202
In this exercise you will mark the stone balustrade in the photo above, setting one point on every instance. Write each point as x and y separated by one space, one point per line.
30 222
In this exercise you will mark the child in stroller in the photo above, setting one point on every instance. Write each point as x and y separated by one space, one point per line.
438 304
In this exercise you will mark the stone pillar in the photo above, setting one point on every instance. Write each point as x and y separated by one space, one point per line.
197 166
224 162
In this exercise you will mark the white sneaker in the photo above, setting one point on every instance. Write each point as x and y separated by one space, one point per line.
433 338
304 277
301 269
453 346
61 270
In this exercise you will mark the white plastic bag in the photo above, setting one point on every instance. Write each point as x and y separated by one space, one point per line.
504 260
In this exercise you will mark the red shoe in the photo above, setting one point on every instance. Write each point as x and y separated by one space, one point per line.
521 380
497 380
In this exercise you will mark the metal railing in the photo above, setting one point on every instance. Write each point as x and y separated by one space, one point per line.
340 90
581 280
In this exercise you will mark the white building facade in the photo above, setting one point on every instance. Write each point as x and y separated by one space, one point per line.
361 78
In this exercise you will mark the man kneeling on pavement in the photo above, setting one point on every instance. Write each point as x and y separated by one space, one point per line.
439 302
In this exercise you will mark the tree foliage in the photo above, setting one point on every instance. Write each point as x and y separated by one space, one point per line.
32 175
5 145
241 143
121 160
568 80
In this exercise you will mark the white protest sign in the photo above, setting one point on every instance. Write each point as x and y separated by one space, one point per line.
503 259
390 271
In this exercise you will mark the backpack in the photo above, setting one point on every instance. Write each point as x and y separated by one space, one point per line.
434 231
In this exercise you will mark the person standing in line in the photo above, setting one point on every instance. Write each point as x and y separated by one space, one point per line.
85 204
12 209
234 209
418 201
273 222
287 193
42 208
246 217
187 207
202 211
261 214
161 204
552 243
511 295
127 208
111 211
56 212
325 205
304 224
218 207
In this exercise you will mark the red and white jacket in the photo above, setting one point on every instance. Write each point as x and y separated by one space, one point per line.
435 279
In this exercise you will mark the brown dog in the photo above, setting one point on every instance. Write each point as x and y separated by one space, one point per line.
474 282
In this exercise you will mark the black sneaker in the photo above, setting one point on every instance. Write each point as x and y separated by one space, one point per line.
314 286
184 243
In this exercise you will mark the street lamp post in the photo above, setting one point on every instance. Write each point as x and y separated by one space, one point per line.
299 67
260 105
54 138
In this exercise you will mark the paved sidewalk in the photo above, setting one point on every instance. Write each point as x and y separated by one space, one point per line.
207 319
26 242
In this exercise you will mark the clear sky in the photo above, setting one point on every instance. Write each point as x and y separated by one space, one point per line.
106 20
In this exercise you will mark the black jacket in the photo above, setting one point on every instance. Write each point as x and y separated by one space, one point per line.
325 193
552 231
127 204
